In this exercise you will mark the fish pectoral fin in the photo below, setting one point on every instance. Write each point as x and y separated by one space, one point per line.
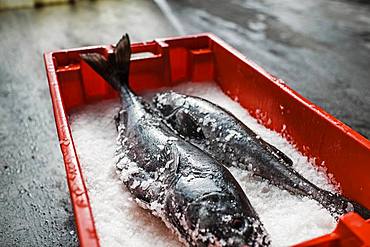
143 188
173 113
170 159
172 156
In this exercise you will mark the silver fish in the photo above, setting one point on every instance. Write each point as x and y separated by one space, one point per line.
232 143
191 192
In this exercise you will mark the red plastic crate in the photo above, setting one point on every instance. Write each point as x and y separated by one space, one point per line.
204 57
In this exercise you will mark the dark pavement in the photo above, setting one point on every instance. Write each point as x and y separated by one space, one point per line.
320 48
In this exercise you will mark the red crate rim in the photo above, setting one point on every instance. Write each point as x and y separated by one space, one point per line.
79 196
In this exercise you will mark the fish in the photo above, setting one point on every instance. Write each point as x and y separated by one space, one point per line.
193 194
219 133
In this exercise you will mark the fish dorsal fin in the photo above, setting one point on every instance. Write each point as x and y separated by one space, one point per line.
279 154
186 125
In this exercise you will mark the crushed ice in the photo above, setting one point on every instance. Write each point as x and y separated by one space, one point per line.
120 221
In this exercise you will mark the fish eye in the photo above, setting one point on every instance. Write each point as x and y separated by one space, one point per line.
237 223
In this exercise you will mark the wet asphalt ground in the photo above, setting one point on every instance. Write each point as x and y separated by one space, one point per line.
320 48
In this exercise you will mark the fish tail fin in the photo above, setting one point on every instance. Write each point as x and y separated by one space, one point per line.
361 210
115 70
345 205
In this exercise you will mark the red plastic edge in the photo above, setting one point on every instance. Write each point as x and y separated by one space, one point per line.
299 98
80 200
351 230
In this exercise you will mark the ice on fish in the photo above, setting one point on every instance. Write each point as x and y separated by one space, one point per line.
120 222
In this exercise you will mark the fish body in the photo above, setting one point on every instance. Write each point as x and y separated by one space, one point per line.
191 192
232 143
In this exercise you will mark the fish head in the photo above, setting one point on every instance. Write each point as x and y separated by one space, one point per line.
217 219
179 115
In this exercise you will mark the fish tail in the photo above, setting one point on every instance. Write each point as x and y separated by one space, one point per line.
361 210
338 205
115 70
